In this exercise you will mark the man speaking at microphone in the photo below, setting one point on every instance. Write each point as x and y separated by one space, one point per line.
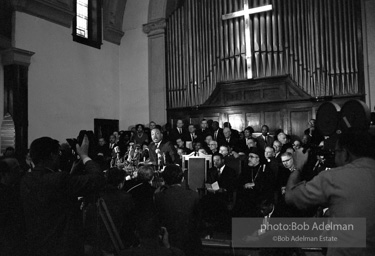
161 152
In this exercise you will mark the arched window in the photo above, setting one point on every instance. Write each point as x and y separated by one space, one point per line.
87 24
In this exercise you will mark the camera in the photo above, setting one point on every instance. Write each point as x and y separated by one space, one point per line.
74 141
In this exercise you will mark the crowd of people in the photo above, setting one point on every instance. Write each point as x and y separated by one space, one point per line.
50 199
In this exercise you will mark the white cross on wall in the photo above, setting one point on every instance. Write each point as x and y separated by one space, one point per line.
246 14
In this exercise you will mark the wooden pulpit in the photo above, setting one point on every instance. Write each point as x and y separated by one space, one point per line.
196 167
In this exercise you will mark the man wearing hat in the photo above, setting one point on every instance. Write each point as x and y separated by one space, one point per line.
255 184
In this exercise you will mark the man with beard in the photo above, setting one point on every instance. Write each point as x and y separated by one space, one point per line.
255 184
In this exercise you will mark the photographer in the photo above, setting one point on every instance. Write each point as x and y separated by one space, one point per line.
50 199
348 190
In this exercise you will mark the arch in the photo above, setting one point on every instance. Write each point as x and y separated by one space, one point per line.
161 9
113 16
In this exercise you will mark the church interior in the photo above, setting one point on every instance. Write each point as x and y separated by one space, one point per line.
141 61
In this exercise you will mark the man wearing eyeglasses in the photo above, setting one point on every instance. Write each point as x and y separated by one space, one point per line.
288 163
213 147
347 191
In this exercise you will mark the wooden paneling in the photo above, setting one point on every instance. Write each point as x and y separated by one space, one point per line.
195 120
298 121
273 120
254 120
237 121
281 105
213 118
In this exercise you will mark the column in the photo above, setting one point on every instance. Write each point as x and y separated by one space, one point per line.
16 65
155 31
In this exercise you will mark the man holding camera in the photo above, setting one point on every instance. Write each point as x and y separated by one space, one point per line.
348 190
50 199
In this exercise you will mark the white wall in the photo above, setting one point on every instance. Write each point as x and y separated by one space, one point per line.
70 84
369 46
134 93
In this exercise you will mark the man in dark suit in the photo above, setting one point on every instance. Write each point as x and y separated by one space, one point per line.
102 154
178 211
192 133
224 175
180 143
203 131
265 139
217 132
179 132
271 162
231 141
142 192
54 220
112 142
315 136
234 132
161 152
217 204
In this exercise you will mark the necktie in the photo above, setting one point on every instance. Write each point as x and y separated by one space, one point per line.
265 140
215 137
179 130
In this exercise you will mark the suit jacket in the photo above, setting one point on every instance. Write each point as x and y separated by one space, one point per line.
220 135
235 133
202 134
273 165
143 195
178 211
226 179
174 135
190 139
234 143
112 146
53 220
262 144
165 147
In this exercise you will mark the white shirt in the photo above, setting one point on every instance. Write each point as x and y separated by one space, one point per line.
221 169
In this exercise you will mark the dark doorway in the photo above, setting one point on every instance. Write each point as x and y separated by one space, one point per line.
105 127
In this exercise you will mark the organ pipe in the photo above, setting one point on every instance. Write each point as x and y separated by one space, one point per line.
314 41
